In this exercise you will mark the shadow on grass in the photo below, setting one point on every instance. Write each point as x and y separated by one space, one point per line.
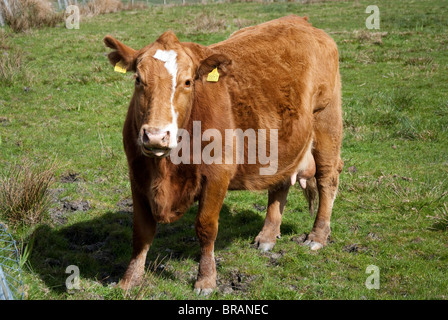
98 247
101 247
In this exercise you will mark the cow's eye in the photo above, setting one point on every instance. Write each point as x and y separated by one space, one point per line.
188 84
137 80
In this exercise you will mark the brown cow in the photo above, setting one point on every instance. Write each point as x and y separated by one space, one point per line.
281 76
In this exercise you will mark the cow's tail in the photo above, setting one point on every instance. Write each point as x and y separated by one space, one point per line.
311 194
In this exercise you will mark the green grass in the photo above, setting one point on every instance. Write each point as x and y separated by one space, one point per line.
62 101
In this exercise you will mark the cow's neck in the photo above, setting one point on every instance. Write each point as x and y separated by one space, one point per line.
172 190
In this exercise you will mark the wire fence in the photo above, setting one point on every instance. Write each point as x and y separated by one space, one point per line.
14 8
11 285
62 4
11 8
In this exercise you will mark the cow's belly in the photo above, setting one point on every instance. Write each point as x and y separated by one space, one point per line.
293 160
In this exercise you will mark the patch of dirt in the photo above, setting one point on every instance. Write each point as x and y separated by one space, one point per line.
4 121
125 205
403 178
373 236
354 248
187 240
259 207
80 205
274 257
52 262
352 169
93 246
225 289
300 239
58 216
237 281
70 177
65 208
351 248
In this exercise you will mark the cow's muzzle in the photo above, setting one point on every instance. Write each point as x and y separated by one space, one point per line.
155 142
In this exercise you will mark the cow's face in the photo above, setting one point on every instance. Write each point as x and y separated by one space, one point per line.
165 73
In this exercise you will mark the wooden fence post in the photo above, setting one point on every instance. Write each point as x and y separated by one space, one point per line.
7 6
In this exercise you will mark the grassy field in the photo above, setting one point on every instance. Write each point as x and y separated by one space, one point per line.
61 102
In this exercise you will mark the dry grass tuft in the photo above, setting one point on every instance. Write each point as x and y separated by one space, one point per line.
10 65
25 192
243 23
207 22
440 219
12 62
97 7
22 15
372 37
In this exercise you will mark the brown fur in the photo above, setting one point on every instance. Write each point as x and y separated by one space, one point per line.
283 75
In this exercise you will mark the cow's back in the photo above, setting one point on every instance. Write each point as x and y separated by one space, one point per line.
282 71
283 58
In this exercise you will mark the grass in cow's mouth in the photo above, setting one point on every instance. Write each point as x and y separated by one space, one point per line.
60 98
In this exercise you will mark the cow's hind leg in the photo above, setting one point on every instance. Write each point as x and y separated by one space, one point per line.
144 229
271 230
326 152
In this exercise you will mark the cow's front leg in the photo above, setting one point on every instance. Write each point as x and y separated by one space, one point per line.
144 230
210 203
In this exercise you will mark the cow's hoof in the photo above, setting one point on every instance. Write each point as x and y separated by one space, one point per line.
205 286
265 242
314 245
267 246
126 285
203 292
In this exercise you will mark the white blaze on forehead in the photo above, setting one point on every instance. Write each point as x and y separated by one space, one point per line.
170 59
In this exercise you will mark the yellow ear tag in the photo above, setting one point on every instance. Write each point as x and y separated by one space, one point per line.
119 67
213 76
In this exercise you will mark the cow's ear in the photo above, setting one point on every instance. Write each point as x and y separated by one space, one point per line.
217 60
122 53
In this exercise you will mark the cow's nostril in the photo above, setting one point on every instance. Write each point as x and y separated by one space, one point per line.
145 137
166 138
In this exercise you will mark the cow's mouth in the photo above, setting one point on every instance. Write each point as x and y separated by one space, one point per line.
155 152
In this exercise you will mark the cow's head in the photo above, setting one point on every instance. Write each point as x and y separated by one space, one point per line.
165 76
